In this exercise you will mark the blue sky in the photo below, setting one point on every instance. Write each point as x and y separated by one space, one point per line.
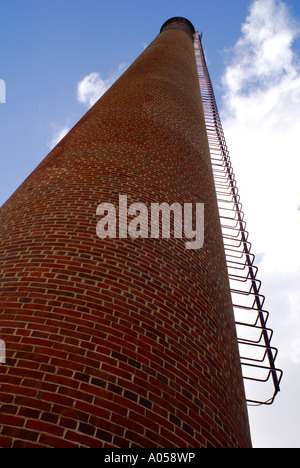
58 56
48 46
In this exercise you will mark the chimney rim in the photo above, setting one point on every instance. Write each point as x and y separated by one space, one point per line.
179 19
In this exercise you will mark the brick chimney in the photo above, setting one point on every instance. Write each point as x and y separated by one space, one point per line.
121 342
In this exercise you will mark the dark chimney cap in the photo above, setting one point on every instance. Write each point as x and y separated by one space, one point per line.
179 23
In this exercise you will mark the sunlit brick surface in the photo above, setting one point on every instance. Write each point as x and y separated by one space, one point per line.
120 342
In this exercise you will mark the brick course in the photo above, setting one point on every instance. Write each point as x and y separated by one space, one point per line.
120 342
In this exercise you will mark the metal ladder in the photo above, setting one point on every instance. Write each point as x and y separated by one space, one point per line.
254 337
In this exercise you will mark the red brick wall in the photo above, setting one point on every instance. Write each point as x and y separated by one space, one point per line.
120 342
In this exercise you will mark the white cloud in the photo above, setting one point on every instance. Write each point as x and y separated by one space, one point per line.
92 86
59 133
296 351
260 116
89 90
263 55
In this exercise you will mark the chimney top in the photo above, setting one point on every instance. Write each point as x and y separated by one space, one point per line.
179 23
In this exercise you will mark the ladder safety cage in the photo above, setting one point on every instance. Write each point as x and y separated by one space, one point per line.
254 337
